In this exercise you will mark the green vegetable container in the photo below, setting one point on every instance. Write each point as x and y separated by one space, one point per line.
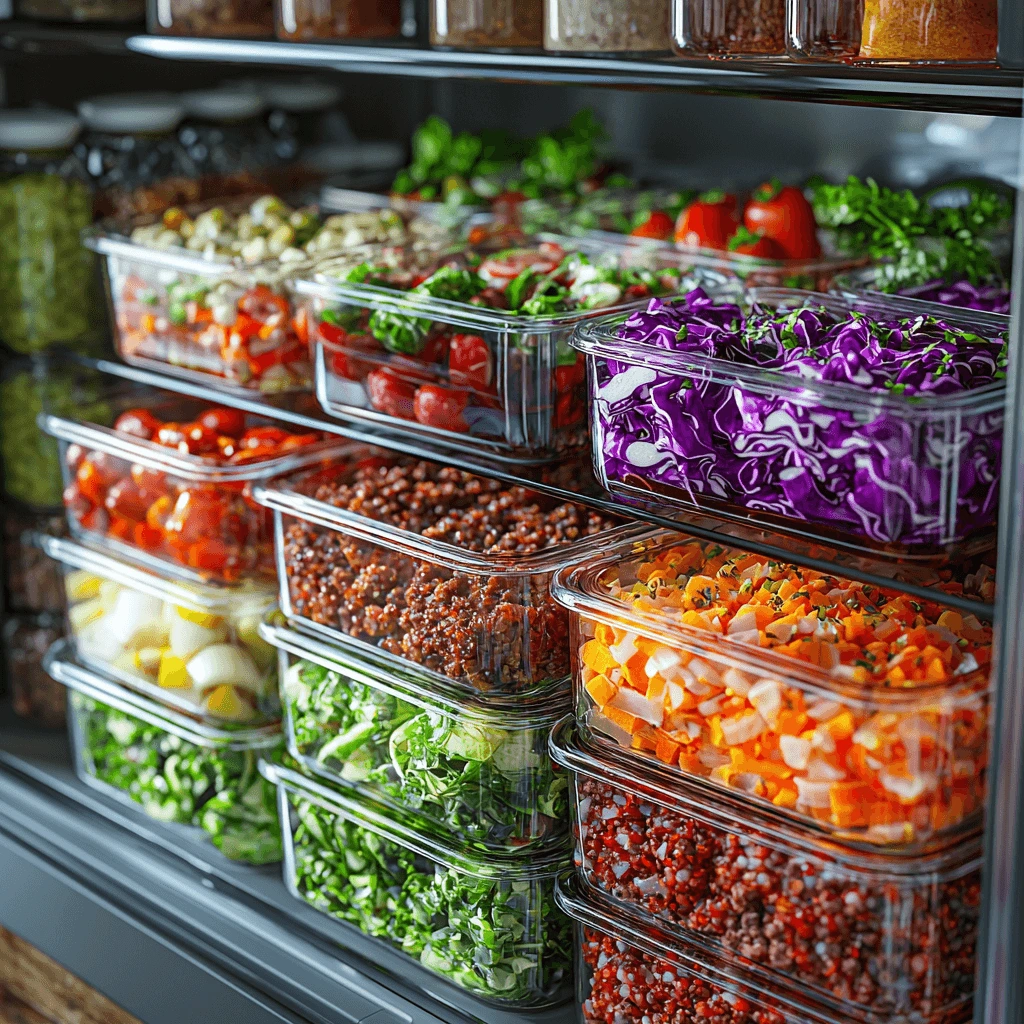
487 924
47 278
476 770
175 768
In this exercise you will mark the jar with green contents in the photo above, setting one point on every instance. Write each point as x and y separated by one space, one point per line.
47 277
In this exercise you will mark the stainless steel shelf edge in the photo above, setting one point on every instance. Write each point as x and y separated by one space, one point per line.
984 90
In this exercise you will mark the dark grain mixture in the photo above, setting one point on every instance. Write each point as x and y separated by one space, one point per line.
491 631
252 19
895 946
735 28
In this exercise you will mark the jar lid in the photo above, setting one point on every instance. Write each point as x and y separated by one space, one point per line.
37 129
129 113
301 95
223 104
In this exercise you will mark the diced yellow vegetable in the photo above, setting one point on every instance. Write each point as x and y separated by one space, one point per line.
81 585
173 675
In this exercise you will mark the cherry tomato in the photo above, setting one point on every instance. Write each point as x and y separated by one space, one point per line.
569 409
658 225
439 407
125 500
215 556
745 243
783 214
390 394
94 476
145 537
435 350
121 529
200 513
96 520
569 377
299 441
709 222
75 502
469 362
226 447
138 423
73 456
347 358
158 512
199 440
148 480
256 437
230 422
170 435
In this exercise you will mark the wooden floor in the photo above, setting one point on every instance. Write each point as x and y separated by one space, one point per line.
36 990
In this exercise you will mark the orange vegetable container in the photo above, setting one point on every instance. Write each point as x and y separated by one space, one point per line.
861 711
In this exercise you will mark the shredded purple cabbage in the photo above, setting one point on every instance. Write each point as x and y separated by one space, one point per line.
852 463
991 298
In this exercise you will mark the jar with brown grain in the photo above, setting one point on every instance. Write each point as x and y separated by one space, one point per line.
338 19
243 19
507 24
730 28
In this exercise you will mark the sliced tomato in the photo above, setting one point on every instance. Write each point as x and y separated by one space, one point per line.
390 393
230 422
469 362
542 260
138 423
439 407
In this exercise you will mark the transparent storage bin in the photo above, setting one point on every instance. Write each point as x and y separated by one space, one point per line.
864 716
210 318
992 297
874 938
729 28
175 768
297 20
869 470
192 647
501 24
455 372
608 26
896 31
486 924
474 771
243 19
424 607
164 505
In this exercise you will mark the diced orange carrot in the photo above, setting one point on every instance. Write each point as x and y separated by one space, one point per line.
596 656
633 672
841 726
667 749
645 739
604 634
936 672
623 719
601 690
790 723
786 797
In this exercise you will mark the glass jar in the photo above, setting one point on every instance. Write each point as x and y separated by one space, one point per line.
508 24
47 278
338 19
303 112
36 697
608 26
83 10
247 19
129 147
730 28
225 133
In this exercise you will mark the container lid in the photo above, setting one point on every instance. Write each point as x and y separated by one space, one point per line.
599 337
37 129
489 710
388 824
61 665
132 113
210 598
718 809
223 104
284 495
189 467
301 95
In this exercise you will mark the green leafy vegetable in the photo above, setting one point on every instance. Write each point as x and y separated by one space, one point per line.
221 791
499 937
487 786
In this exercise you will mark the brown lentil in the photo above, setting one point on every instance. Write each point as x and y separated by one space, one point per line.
735 28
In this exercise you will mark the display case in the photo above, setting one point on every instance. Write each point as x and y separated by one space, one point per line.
433 900
505 24
338 19
243 19
608 26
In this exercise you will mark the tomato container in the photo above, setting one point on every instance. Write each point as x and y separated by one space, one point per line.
338 19
455 373
159 503
820 714
729 29
207 317
177 769
874 937
502 24
243 19
487 924
412 600
819 456
473 770
193 647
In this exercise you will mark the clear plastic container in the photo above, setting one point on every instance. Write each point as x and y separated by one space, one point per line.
353 217
896 31
626 969
476 771
730 28
204 315
822 715
35 697
82 10
424 605
458 372
164 505
244 19
608 26
195 648
869 470
993 297
875 938
487 924
338 19
503 24
175 768
47 279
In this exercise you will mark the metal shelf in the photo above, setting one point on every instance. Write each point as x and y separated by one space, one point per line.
86 875
574 481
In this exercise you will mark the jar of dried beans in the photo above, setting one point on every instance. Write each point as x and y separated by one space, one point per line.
730 28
